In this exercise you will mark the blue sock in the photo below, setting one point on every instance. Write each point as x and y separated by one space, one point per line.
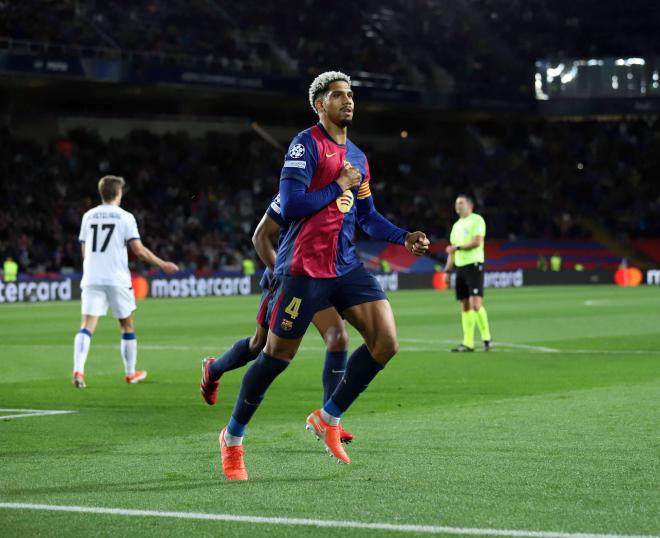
333 371
256 381
236 356
361 370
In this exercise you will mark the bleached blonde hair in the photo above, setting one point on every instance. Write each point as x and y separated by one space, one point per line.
321 84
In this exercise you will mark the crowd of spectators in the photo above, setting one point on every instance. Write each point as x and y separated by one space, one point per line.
469 46
198 200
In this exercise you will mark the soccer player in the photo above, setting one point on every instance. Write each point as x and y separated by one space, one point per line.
325 192
328 322
105 233
466 253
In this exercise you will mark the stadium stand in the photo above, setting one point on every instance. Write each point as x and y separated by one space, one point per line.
199 199
468 46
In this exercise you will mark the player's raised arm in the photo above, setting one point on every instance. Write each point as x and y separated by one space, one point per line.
378 227
148 256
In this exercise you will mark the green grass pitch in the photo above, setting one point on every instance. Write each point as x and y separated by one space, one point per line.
557 429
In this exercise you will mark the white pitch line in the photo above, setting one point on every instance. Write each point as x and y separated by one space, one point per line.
24 413
541 349
302 522
527 347
596 302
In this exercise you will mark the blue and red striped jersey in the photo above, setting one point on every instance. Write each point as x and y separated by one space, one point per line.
321 245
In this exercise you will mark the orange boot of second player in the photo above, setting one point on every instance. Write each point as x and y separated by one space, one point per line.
330 435
208 388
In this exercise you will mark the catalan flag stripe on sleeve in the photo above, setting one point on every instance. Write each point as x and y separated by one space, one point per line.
364 191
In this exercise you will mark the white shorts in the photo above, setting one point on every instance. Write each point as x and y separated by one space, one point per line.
96 299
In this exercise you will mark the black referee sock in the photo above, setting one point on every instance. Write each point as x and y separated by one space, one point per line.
360 371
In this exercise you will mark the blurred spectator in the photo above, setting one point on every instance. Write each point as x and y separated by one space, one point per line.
473 46
198 200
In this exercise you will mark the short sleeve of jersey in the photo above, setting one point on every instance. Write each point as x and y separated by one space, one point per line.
479 227
81 235
274 211
365 190
130 228
301 159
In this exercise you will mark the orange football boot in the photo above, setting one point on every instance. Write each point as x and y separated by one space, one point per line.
137 377
79 380
344 436
331 436
233 465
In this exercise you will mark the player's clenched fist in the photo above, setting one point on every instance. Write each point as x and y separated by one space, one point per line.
349 177
417 243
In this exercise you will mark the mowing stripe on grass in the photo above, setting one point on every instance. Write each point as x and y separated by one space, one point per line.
430 529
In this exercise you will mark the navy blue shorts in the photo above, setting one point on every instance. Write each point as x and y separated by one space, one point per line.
295 299
263 314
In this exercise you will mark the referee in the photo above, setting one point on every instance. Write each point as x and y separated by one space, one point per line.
466 253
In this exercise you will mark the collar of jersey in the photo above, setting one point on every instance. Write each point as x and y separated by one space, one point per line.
327 135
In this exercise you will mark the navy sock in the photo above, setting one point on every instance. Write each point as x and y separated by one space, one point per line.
333 371
361 370
256 381
236 356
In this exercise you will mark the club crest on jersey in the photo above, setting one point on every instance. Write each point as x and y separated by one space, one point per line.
297 151
287 325
345 201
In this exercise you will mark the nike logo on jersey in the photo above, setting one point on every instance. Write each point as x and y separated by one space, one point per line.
328 155
338 371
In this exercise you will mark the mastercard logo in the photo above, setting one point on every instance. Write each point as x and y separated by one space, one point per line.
140 287
345 201
628 277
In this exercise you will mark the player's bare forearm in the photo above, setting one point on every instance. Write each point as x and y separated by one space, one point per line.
449 265
264 248
146 255
476 242
264 240
263 245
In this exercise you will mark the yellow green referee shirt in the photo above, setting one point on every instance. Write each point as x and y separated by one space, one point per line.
463 232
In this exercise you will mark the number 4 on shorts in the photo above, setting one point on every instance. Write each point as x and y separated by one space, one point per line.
293 307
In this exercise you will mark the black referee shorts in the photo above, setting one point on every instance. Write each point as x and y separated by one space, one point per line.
470 281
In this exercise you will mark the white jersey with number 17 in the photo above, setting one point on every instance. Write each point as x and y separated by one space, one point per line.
105 231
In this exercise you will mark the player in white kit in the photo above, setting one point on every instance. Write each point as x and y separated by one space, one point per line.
105 233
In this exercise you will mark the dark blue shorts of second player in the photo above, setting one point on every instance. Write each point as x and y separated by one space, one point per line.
295 299
262 319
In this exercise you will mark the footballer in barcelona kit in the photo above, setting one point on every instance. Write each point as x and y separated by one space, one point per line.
317 263
324 193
